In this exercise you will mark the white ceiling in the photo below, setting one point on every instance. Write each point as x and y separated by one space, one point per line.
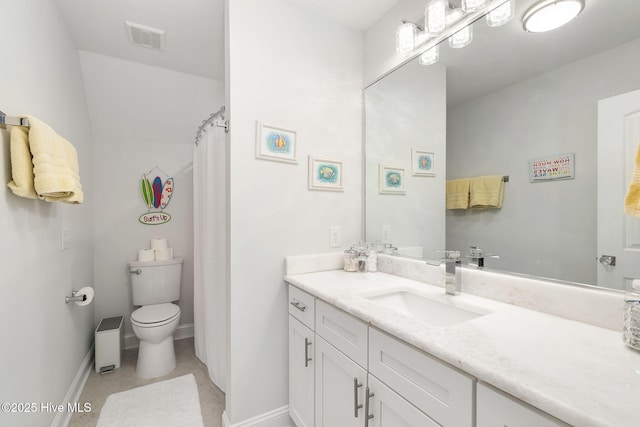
194 28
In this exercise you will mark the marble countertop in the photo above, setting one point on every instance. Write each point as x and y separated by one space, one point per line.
581 374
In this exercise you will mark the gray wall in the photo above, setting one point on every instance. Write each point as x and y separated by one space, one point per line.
549 228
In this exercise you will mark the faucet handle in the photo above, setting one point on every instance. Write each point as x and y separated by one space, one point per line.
450 255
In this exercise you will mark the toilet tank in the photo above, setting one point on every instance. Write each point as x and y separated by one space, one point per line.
155 282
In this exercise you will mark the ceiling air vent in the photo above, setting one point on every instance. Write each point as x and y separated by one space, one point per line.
140 35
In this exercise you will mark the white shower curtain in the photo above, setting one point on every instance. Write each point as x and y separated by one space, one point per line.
209 287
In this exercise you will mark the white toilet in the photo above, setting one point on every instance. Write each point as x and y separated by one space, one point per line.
155 286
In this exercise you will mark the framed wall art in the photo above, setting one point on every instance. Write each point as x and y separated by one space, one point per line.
325 174
422 163
391 179
275 143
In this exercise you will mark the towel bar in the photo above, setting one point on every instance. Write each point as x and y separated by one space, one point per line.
14 121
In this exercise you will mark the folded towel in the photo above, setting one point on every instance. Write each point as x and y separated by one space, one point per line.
632 200
21 164
55 165
458 193
486 191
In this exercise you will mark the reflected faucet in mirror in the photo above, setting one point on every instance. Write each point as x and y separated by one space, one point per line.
476 257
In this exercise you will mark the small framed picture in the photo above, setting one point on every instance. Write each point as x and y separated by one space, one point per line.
325 174
275 143
422 163
391 179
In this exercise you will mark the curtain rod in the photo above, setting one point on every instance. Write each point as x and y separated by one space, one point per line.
210 120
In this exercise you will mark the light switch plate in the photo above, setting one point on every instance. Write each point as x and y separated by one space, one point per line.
335 236
66 238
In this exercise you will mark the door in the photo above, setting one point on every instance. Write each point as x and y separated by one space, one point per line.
340 387
618 234
301 373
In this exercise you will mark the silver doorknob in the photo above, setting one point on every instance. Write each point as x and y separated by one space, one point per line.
607 260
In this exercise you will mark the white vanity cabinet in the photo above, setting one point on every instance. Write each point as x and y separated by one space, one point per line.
301 357
437 389
495 408
301 373
341 367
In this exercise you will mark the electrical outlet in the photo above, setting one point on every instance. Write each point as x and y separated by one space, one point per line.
385 234
335 236
65 238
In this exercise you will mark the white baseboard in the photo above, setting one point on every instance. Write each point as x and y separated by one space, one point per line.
63 418
182 332
276 418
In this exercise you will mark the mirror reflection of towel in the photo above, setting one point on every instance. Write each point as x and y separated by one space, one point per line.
458 193
632 200
486 191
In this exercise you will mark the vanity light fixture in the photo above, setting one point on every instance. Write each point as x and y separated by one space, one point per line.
462 37
429 57
405 37
501 14
435 16
547 15
472 5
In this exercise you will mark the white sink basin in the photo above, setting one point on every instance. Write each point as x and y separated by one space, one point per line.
428 309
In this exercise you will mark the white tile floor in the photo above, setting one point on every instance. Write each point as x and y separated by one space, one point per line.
100 386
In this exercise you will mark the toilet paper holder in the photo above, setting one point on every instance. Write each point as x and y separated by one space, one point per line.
74 298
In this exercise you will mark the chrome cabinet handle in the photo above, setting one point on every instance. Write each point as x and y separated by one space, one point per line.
307 359
138 271
300 306
366 408
356 406
607 260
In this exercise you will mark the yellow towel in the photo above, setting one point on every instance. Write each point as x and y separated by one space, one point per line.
458 193
632 200
55 170
486 191
21 164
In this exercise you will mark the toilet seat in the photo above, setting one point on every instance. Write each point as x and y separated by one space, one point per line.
151 316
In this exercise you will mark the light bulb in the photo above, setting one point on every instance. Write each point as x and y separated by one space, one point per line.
435 16
405 38
472 5
501 14
429 57
462 37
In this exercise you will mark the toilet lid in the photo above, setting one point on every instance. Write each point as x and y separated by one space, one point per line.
155 313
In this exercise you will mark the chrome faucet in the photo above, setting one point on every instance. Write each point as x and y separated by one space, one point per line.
452 278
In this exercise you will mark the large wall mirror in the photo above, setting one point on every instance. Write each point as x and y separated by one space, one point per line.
490 109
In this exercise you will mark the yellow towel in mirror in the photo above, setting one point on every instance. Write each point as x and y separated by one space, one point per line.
458 193
486 191
632 200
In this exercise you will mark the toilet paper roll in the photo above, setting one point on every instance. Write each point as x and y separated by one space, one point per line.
88 291
164 254
145 255
159 243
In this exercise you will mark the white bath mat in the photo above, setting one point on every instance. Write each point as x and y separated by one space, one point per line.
170 403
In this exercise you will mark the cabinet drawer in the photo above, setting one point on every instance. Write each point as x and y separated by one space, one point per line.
440 391
343 331
302 306
495 408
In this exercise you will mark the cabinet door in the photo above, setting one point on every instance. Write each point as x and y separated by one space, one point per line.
391 410
496 409
340 386
301 373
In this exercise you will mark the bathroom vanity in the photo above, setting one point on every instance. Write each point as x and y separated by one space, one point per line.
377 349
